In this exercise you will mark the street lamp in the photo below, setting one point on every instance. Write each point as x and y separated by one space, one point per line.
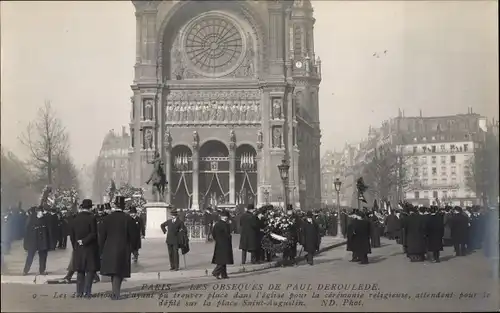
337 185
283 168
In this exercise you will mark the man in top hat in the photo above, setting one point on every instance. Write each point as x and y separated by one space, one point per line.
223 249
358 236
173 228
290 251
434 232
414 227
249 242
137 239
36 239
118 231
459 231
86 260
310 236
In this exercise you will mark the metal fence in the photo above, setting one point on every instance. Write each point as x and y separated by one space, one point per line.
196 231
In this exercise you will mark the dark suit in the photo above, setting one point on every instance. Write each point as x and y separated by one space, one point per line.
116 239
172 228
249 237
36 239
223 250
86 259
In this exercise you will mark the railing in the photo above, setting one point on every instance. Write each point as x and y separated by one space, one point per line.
196 231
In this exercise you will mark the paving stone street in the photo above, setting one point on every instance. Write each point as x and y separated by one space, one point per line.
389 283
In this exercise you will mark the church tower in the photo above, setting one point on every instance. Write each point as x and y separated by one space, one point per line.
306 78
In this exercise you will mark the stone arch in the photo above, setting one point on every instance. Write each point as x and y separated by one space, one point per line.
181 185
214 148
246 174
182 147
183 11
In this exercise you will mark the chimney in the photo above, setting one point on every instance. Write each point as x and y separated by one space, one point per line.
123 131
421 113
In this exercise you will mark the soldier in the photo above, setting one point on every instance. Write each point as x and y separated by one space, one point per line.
37 239
249 235
83 236
223 249
137 240
115 241
172 228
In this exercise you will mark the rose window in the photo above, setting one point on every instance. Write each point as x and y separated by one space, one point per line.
214 46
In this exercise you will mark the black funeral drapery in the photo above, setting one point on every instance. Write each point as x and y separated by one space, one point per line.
181 191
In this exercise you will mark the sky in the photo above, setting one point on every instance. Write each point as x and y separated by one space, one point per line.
442 57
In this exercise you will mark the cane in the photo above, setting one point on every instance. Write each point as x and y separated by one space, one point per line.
300 253
184 258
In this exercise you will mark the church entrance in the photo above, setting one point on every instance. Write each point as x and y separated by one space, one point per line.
181 182
214 174
246 175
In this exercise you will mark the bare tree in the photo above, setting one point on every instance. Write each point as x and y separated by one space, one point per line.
386 174
65 172
47 142
16 181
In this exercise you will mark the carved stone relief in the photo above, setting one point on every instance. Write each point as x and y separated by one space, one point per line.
213 107
277 108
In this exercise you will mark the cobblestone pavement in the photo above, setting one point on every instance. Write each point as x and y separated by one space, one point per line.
389 283
153 258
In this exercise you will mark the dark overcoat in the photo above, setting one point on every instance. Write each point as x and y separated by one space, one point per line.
310 236
459 228
137 242
36 237
415 233
447 220
435 232
173 230
116 241
249 237
392 226
374 231
85 257
223 249
359 231
54 229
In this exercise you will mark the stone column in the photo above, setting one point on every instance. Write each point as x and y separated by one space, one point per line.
168 167
232 173
196 172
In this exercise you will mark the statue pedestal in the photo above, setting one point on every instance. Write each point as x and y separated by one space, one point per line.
156 214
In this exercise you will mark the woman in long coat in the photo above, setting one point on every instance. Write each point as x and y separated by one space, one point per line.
223 250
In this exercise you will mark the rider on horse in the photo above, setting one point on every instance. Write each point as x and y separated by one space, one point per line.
158 174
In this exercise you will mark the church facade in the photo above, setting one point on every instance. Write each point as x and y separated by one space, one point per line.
225 90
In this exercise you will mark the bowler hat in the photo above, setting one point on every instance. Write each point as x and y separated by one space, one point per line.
86 204
250 207
174 211
120 202
309 214
225 213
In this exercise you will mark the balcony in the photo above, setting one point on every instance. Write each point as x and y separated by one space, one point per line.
438 151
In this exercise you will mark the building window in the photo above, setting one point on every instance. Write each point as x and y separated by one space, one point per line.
443 147
434 171
433 148
426 194
424 139
415 171
466 147
415 149
452 147
424 171
434 181
435 194
443 160
415 160
424 160
453 159
443 168
453 170
417 195
434 160
454 180
444 180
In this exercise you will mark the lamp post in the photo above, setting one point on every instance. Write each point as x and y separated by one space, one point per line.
337 185
283 168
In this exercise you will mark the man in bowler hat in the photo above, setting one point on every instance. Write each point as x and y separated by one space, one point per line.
117 236
83 236
223 249
173 228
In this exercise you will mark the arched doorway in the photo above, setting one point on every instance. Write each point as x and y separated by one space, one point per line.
214 174
246 175
181 181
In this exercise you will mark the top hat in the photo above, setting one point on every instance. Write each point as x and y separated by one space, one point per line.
133 209
309 214
174 212
86 204
289 207
225 213
120 202
250 207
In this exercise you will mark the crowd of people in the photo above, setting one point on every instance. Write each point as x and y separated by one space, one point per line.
106 238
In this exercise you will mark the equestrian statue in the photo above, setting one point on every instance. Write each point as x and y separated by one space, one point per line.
158 177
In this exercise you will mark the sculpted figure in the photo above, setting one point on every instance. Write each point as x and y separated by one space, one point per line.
277 112
236 113
220 113
206 112
277 138
169 113
199 111
260 136
176 112
213 111
227 108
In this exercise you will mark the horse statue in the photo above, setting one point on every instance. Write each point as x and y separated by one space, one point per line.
158 177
